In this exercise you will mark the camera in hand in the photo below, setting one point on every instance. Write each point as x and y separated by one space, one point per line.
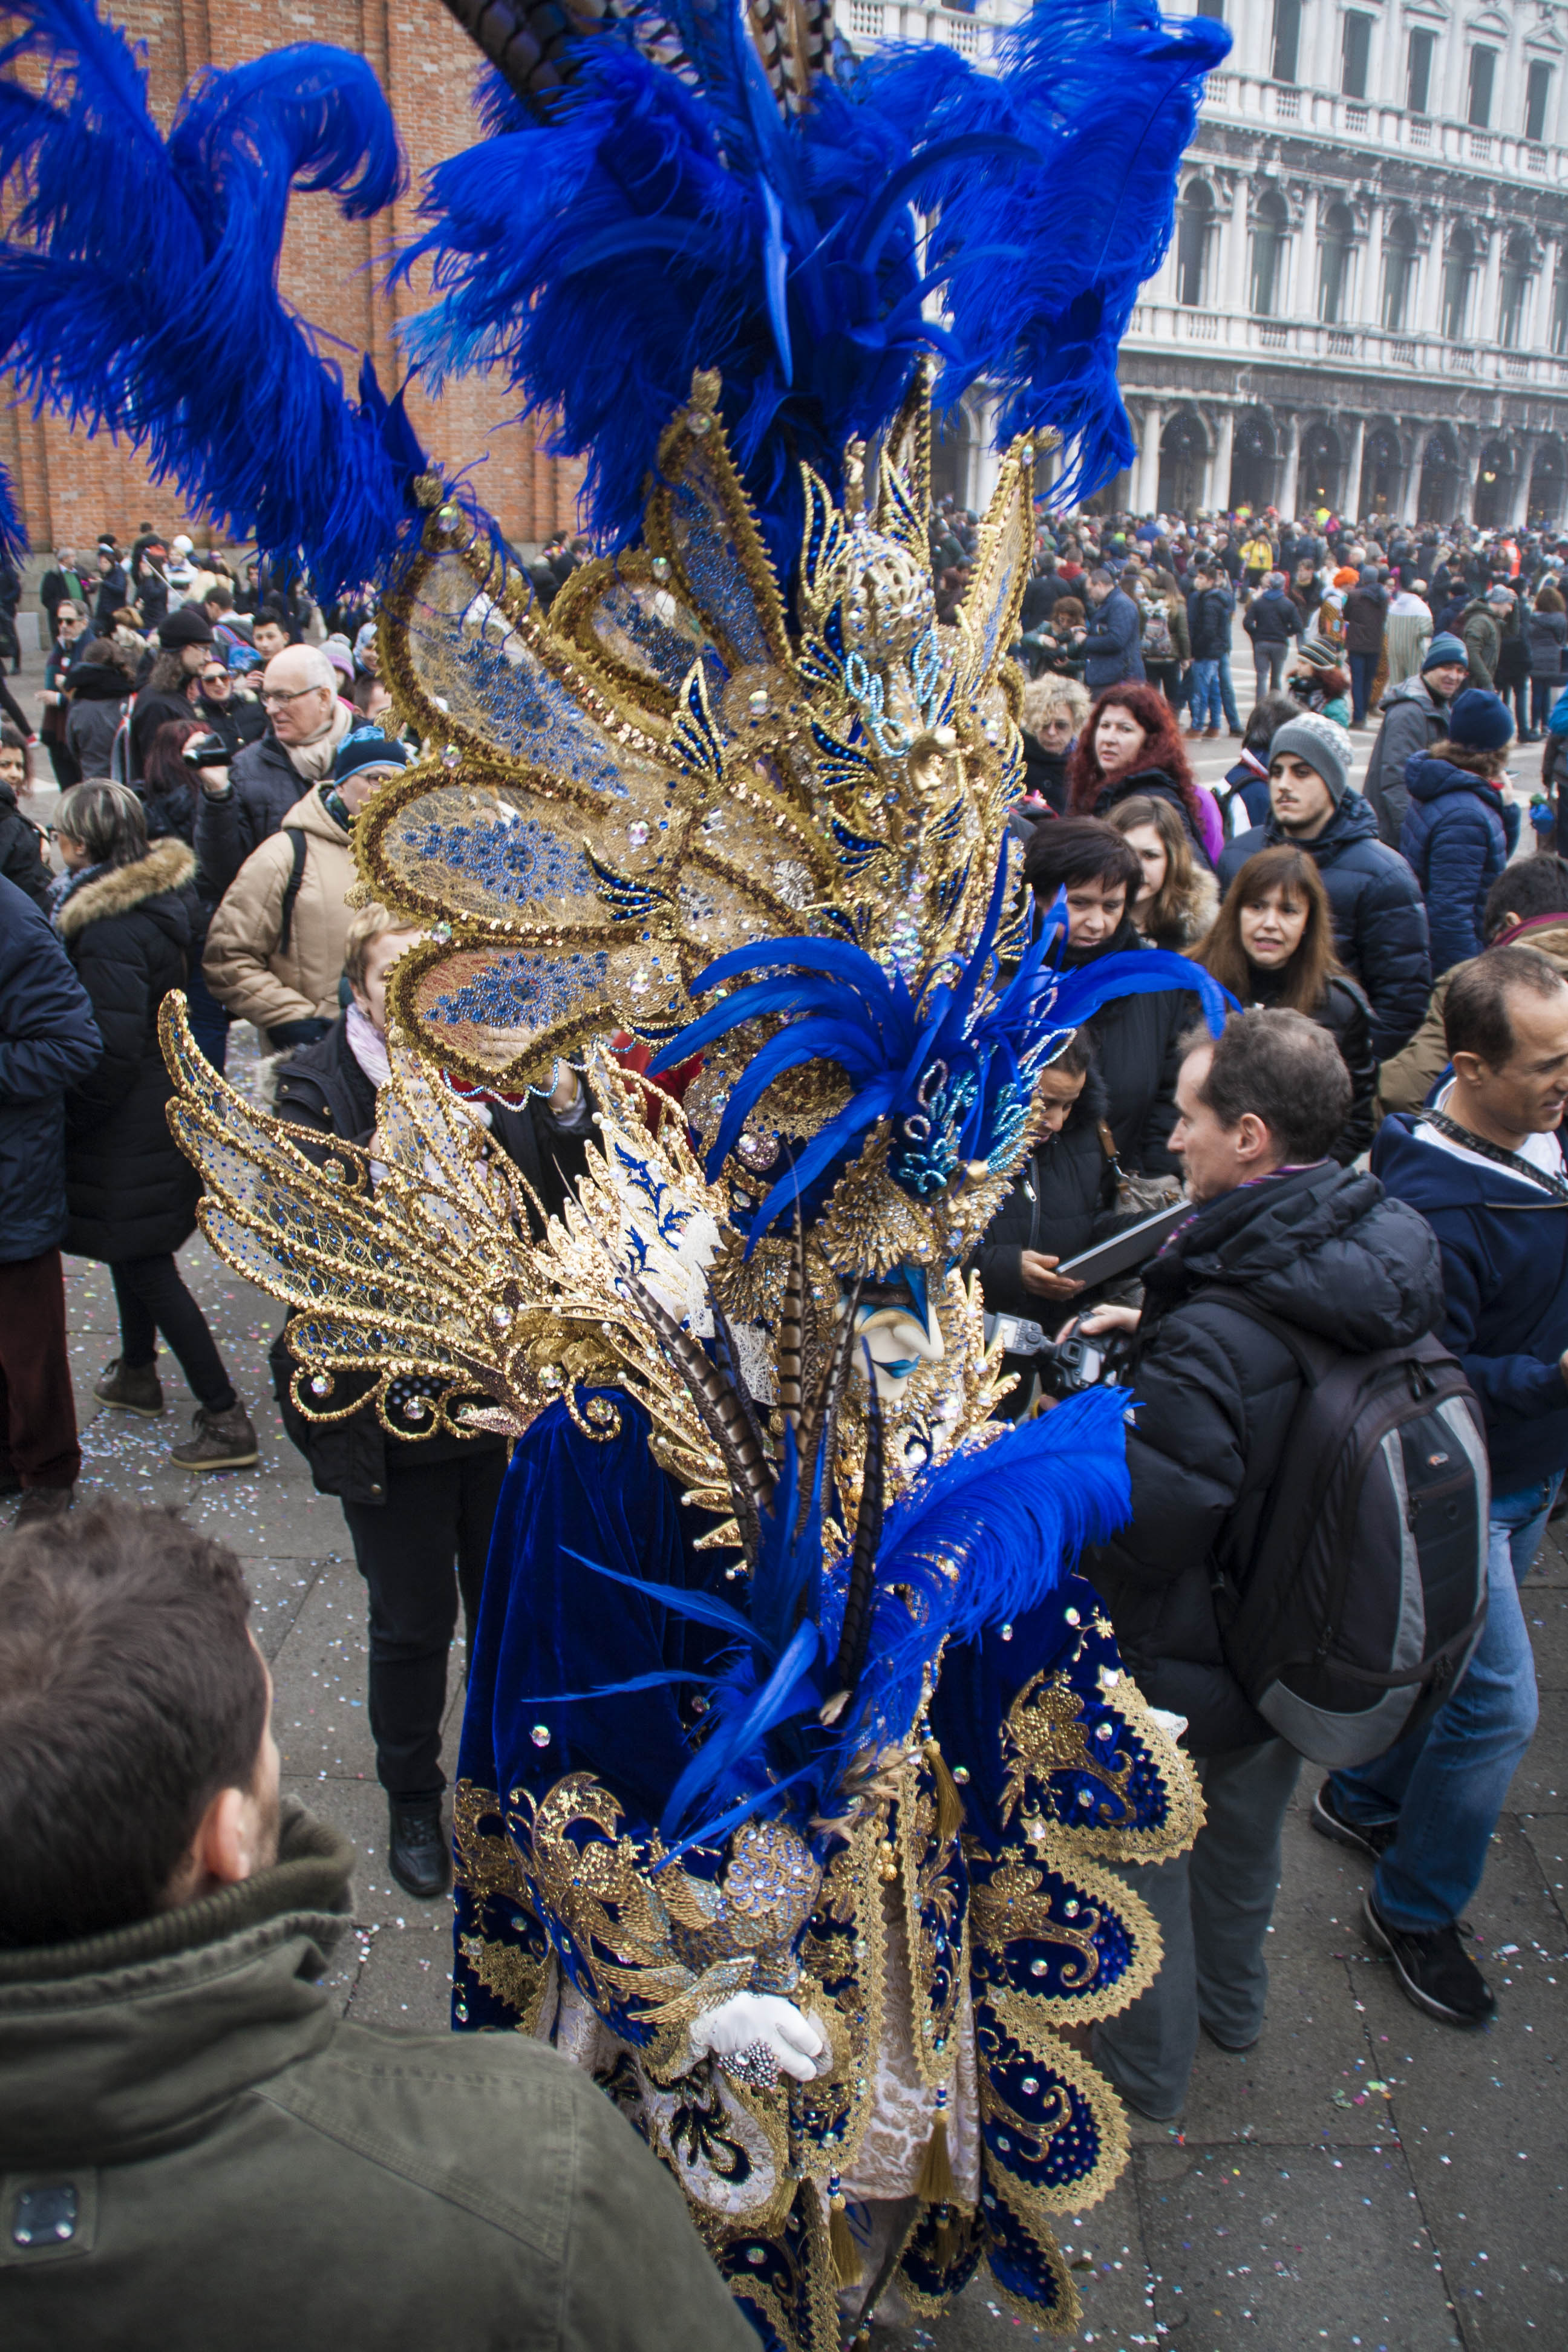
205 751
1067 1365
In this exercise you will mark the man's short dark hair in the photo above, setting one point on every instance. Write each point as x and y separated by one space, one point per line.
1286 1071
267 612
1530 886
1076 849
219 595
131 1694
1103 572
1475 1010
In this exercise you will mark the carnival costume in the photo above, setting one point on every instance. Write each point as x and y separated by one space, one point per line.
793 1742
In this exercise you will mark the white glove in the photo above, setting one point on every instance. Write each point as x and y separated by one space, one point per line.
748 2018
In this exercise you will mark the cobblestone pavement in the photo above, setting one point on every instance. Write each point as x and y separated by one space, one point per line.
1364 2178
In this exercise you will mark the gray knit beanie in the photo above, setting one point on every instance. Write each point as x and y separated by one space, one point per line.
1323 746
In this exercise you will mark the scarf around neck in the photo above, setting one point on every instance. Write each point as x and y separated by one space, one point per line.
368 1046
314 761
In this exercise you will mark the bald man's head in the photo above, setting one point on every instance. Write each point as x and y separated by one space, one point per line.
300 689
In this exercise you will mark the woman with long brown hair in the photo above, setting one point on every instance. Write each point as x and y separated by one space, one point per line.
1130 745
1273 944
1176 900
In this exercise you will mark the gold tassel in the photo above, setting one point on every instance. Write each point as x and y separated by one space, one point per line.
935 2184
949 2239
845 2252
948 1803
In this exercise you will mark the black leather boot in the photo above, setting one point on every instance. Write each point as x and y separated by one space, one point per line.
417 1851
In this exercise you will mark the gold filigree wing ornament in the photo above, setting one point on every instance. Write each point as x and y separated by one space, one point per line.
657 774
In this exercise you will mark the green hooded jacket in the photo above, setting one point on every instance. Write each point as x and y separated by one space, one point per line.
196 2152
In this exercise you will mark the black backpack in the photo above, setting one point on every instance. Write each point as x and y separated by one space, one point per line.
1366 1594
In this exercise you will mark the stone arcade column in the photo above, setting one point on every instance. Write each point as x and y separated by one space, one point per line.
1484 323
1290 468
1216 477
1368 307
986 464
1350 502
1146 481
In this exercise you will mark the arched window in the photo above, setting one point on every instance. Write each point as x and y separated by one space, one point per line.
1270 223
1458 280
1334 264
1399 274
1194 231
1517 269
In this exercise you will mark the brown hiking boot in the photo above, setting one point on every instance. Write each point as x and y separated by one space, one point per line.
130 1388
223 1441
41 1502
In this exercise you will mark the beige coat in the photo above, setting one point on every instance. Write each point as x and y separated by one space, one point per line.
246 969
1404 1083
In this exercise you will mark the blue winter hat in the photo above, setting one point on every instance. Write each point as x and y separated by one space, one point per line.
367 747
1445 647
1479 721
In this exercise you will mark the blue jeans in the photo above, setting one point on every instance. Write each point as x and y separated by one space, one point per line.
1228 695
1363 669
1446 1784
1203 693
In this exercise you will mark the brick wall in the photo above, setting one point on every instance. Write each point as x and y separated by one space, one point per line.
72 487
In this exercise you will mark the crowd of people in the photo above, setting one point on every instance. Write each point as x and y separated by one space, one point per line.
1341 616
1366 1153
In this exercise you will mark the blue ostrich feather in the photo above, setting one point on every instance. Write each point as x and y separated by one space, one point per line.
956 1054
979 1540
662 221
1041 264
12 529
123 246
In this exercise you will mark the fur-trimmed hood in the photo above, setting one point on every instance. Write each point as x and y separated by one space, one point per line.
168 866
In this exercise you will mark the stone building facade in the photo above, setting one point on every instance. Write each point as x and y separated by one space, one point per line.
1365 305
73 486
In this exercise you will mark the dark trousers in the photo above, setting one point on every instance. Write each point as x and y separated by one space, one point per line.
1212 1906
37 1413
1543 694
209 1020
1518 691
64 762
1167 677
1363 669
434 1518
151 1297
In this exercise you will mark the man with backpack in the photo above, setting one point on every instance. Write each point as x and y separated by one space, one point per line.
1485 1167
1281 1241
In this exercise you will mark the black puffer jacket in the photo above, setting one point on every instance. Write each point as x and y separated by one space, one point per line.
1137 1045
1153 784
129 1190
1044 773
1320 1247
1058 1202
48 1041
323 1090
1380 923
264 784
238 721
22 857
1062 1200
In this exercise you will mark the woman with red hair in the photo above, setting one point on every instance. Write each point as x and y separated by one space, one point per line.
1130 745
